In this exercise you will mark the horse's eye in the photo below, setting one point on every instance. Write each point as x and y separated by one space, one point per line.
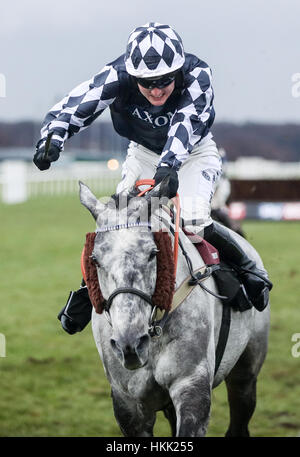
153 254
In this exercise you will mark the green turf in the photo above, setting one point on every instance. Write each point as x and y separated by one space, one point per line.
52 384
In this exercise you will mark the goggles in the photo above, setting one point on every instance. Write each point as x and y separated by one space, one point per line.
159 83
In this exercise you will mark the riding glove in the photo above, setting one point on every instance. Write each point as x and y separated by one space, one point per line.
169 186
42 162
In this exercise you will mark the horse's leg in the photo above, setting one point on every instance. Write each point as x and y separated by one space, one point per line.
133 419
191 397
241 387
170 414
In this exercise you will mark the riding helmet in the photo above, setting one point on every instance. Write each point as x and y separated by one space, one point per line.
153 50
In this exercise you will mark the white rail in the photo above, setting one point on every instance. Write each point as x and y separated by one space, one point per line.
20 181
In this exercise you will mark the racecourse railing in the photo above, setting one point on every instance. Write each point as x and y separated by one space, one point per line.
20 181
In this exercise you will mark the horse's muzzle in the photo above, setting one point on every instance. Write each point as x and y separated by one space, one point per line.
132 354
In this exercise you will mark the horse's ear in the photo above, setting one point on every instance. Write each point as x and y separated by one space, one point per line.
88 199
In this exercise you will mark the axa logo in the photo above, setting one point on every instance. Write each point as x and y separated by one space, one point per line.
155 121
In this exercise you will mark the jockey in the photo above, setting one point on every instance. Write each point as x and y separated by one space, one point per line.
161 100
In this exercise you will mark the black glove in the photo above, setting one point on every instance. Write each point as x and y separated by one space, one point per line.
169 186
44 163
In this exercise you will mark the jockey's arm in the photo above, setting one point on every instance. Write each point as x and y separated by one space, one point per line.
80 107
192 120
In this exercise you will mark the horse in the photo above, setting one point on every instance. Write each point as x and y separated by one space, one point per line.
173 370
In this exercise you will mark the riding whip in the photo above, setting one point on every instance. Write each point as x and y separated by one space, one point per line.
47 145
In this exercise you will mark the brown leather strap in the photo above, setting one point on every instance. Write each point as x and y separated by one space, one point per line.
181 293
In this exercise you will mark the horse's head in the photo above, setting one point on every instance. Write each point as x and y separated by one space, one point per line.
125 255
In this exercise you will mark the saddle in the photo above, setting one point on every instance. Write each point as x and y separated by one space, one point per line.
227 279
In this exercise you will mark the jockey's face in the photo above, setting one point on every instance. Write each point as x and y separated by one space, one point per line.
156 96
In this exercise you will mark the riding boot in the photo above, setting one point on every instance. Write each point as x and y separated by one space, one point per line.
255 281
76 314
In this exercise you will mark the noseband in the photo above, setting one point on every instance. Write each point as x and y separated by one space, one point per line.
126 290
154 329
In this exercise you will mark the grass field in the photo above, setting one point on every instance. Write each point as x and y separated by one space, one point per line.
52 384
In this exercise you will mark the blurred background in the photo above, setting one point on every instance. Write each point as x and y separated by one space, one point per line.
45 51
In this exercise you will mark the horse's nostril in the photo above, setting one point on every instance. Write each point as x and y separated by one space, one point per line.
113 343
115 346
132 354
121 347
143 343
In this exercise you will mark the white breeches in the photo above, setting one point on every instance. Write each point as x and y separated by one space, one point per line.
222 193
198 178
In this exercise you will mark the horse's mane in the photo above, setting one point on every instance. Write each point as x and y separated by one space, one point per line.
133 204
131 193
126 198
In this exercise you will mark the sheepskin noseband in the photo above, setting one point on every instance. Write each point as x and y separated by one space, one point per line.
165 280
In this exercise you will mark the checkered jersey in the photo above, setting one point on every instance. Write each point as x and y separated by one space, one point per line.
191 116
81 106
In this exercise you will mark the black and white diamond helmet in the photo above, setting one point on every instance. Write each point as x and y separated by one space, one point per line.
153 50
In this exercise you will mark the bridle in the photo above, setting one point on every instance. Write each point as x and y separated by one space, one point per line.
154 327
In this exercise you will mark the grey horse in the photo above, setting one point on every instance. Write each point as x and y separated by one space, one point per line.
175 372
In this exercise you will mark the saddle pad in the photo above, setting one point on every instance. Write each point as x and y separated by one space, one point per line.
208 252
